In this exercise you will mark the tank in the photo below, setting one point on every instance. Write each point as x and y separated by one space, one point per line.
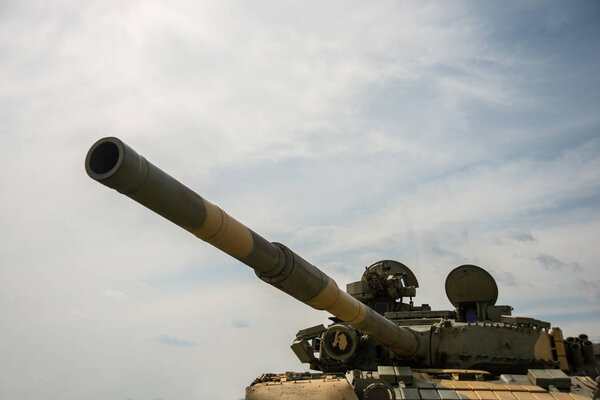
379 345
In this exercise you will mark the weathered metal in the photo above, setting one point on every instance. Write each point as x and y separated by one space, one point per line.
116 165
379 346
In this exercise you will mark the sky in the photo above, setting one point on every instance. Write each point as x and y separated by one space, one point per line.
435 134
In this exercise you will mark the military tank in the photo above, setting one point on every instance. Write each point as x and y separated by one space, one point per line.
379 345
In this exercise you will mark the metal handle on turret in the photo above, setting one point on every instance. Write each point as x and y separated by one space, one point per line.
116 165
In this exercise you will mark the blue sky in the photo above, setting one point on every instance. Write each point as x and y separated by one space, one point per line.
351 132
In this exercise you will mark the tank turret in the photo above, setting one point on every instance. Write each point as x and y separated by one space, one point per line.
380 345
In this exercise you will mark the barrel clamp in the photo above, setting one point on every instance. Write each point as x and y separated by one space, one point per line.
283 269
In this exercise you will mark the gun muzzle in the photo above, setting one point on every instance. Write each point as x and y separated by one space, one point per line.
116 165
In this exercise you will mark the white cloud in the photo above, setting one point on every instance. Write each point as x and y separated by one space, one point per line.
350 132
173 341
115 294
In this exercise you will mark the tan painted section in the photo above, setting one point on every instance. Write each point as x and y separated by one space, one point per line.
524 395
542 396
339 303
533 388
542 349
467 385
568 396
559 348
485 395
480 386
452 384
467 394
326 389
225 232
475 385
506 395
514 395
476 390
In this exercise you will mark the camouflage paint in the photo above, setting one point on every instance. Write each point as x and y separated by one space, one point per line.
116 165
326 388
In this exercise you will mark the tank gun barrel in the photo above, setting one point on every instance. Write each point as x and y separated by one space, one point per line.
116 165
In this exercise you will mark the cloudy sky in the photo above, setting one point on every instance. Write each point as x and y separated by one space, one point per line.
434 134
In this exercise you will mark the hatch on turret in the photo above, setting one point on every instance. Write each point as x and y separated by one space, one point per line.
473 291
384 286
